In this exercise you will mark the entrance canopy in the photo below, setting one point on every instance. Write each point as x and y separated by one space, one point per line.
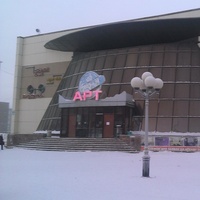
123 99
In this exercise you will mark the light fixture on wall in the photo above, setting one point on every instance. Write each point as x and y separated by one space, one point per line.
37 30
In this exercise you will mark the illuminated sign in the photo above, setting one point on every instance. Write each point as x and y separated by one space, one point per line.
89 86
87 95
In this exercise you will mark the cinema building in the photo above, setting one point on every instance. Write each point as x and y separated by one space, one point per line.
77 82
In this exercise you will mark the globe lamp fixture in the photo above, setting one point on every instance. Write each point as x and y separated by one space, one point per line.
147 86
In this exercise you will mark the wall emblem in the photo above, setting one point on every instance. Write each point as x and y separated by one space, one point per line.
89 86
40 71
53 79
34 92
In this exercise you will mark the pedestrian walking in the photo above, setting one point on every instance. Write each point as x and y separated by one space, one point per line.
1 142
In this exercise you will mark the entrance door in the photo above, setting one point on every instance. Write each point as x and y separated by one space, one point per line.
82 125
108 131
72 125
99 125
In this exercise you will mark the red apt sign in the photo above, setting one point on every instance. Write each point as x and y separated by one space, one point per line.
87 95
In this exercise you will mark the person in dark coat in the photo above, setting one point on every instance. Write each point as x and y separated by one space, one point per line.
1 142
186 143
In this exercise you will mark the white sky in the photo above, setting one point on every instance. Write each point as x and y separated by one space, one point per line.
22 17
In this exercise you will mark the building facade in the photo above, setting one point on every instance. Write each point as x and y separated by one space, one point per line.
77 82
4 117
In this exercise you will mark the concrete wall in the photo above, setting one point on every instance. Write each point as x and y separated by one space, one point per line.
34 52
31 112
31 54
16 139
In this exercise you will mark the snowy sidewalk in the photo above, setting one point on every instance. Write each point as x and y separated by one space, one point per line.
40 175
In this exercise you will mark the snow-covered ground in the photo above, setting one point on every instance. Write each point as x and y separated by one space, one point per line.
40 175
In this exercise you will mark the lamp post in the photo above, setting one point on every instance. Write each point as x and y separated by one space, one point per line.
147 86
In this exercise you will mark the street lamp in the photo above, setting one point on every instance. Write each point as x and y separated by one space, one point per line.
147 86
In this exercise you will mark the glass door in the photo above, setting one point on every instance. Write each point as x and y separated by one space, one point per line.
99 125
82 123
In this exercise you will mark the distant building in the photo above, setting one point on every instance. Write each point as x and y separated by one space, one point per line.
4 117
77 82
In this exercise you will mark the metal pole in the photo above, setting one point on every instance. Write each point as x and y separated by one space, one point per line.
146 157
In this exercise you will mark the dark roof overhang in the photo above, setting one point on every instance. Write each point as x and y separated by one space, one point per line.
127 34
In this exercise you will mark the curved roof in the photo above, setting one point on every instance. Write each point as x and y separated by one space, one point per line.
127 34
